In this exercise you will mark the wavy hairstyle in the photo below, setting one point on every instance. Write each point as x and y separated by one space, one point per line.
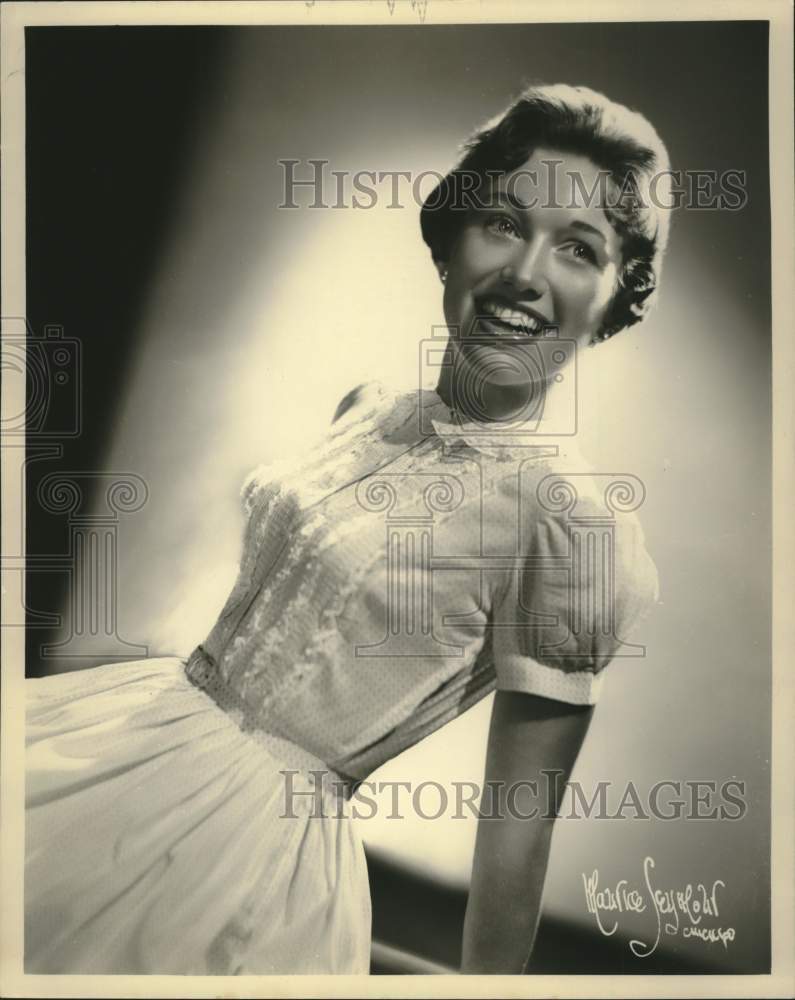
582 122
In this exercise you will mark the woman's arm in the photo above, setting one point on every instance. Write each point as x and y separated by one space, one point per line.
528 735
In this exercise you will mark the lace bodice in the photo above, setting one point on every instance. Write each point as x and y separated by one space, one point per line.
407 564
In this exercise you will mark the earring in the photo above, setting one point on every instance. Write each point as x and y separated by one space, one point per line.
443 275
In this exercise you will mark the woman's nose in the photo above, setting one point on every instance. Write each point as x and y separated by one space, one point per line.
525 272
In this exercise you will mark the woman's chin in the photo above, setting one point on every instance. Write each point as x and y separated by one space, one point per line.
500 364
500 384
509 379
507 398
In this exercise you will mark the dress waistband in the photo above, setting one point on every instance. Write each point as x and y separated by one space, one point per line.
203 672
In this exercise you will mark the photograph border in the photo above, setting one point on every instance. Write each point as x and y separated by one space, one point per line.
14 17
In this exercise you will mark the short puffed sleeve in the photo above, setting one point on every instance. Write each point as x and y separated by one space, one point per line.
572 603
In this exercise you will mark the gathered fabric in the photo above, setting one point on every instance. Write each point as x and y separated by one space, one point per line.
163 838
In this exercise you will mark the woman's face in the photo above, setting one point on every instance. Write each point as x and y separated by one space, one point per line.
542 255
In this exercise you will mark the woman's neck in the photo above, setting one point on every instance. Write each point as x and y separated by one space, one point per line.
496 402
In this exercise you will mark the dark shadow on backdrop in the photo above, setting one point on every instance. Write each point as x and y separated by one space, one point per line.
111 118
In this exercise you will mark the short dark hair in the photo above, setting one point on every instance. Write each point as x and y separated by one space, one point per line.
583 122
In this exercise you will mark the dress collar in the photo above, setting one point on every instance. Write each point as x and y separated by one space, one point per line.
504 441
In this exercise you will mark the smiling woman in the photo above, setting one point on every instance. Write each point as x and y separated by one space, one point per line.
552 223
353 632
526 271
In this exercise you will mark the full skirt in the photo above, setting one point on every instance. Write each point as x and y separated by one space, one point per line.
161 838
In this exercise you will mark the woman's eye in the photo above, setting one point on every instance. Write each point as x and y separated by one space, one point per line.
502 225
581 251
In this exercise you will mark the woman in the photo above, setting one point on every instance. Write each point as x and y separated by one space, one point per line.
193 816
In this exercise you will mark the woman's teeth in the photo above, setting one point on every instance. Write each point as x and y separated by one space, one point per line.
516 321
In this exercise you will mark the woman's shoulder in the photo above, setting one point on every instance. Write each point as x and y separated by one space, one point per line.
586 571
377 413
366 396
354 398
364 417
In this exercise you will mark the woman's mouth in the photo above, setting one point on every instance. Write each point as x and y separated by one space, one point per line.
496 318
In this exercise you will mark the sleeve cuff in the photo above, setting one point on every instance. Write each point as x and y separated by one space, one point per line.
520 673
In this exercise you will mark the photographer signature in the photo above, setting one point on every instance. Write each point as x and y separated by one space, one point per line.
675 910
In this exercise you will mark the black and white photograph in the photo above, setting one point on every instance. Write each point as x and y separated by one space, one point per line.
396 452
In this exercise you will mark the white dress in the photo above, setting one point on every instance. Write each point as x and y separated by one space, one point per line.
390 578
